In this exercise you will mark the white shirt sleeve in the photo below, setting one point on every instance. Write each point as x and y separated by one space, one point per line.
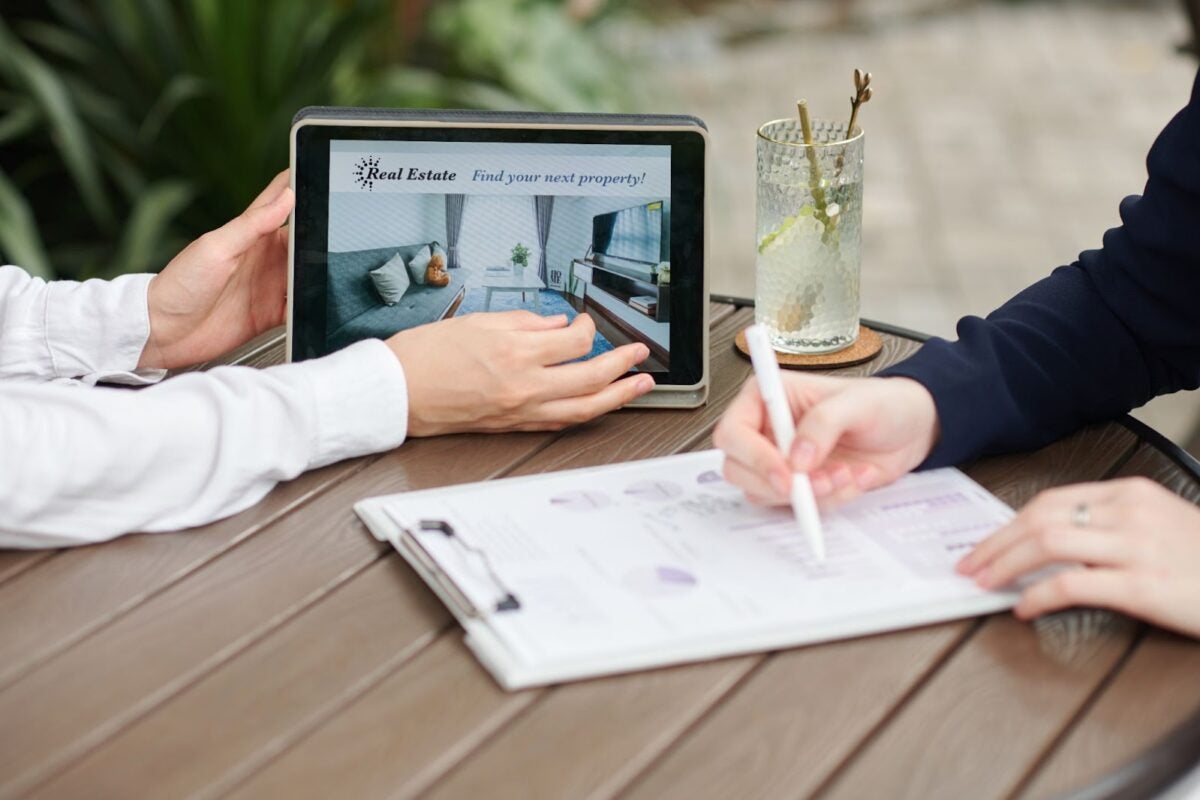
81 465
90 331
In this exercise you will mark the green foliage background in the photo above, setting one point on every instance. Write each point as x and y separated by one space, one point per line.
128 127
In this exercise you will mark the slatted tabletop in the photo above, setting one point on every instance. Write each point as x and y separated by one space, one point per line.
285 653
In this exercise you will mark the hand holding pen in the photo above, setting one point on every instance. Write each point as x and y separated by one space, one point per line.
851 435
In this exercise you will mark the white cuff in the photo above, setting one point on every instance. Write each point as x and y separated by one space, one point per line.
96 330
361 401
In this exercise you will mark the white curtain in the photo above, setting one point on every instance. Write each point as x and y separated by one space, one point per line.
491 226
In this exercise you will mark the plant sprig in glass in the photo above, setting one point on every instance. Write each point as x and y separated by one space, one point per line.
824 212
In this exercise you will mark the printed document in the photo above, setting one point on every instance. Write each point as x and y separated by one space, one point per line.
661 561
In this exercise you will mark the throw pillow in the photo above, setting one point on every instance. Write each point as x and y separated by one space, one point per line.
438 250
418 264
435 273
391 280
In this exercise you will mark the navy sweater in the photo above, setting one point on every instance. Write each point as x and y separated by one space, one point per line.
1095 338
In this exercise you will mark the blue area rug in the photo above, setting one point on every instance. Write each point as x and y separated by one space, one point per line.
552 303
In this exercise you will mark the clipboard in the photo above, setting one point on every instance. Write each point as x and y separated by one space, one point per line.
410 539
488 649
502 610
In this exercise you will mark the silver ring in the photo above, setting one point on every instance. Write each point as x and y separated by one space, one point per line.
1081 515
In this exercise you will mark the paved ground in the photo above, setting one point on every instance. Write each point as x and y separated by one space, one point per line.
1000 140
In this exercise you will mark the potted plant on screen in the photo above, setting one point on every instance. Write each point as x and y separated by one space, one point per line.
520 259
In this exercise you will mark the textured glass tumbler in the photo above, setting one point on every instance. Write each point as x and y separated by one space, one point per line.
809 233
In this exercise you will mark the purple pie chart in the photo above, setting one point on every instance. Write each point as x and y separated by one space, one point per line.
660 581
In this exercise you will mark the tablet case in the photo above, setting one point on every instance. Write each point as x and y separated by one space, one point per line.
663 396
350 113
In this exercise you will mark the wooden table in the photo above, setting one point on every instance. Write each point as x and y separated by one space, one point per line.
285 653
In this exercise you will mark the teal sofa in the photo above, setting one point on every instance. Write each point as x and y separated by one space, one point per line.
354 310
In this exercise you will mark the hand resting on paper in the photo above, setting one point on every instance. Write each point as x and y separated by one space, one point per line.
506 371
1139 545
852 434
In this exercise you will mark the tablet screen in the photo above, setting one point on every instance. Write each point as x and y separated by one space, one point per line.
407 225
422 231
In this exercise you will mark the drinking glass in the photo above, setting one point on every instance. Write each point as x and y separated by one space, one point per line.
809 234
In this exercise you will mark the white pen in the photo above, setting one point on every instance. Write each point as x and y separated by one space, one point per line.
783 425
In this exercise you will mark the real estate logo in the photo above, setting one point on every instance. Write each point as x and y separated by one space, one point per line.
366 170
367 173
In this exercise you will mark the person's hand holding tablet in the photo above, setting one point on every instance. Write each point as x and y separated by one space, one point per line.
223 289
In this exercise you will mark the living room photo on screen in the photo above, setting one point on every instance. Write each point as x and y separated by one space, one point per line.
513 238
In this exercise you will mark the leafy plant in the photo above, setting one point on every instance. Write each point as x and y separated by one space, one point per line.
533 50
520 255
128 127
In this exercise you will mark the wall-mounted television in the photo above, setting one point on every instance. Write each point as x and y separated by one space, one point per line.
631 234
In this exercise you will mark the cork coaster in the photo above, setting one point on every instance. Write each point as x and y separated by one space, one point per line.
866 347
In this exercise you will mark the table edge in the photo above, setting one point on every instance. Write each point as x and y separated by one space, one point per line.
1145 433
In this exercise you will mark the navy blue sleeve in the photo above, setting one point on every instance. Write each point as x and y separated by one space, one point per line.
1095 338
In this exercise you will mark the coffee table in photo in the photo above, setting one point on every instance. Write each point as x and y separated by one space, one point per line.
527 281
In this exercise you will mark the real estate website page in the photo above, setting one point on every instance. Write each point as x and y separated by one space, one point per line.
422 231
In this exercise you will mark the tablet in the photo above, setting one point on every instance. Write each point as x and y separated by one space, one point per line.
408 217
